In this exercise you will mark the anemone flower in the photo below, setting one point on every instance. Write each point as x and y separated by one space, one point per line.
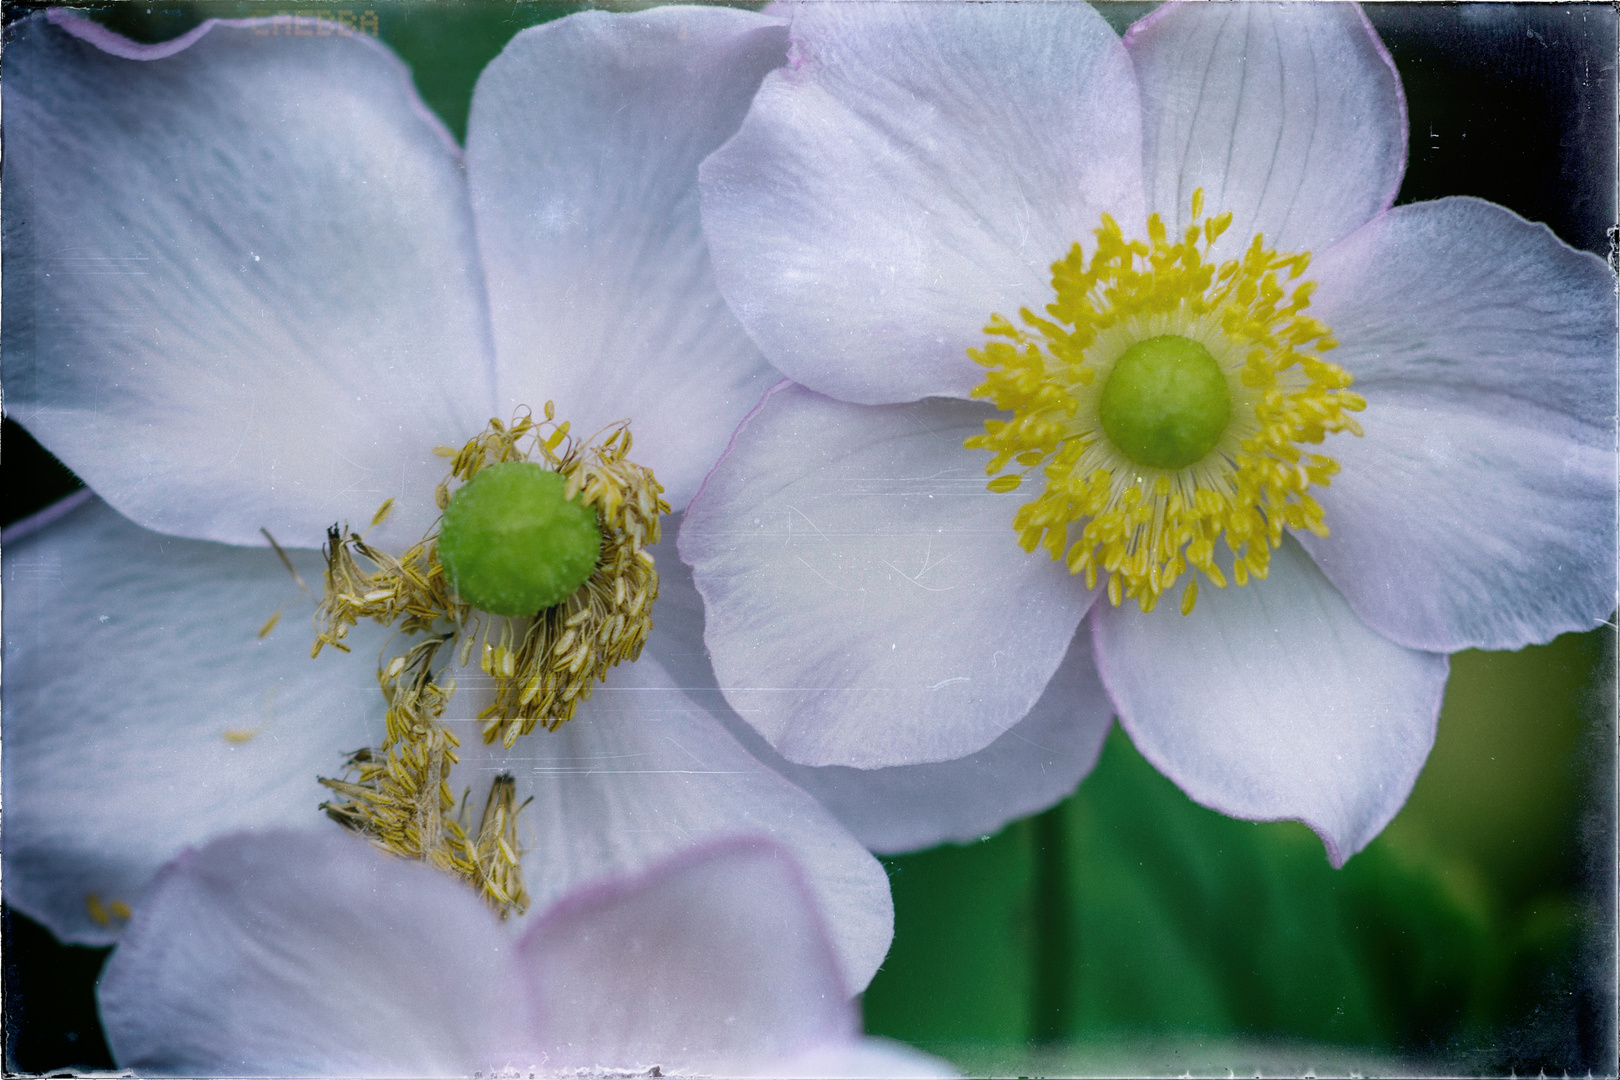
251 287
311 954
1163 262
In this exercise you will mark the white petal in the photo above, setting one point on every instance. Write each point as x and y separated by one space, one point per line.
709 959
1290 116
915 168
1274 701
1035 763
143 713
307 954
242 289
867 601
582 152
857 1060
1479 510
642 773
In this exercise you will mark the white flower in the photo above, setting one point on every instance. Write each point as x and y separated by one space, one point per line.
915 170
311 954
252 284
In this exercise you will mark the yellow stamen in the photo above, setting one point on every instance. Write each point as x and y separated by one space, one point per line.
1146 526
285 561
495 851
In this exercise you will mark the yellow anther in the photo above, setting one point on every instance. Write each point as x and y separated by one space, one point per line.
97 910
102 914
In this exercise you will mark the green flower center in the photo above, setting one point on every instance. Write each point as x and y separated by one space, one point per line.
1165 404
512 544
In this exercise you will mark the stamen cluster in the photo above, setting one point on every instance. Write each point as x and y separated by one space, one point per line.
541 668
400 794
1144 526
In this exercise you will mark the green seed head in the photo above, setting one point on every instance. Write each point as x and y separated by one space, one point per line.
512 545
1165 403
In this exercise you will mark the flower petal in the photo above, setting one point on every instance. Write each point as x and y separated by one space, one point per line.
713 958
915 168
1034 764
830 535
242 289
143 713
863 1059
582 155
1274 701
308 953
1479 510
642 773
1291 116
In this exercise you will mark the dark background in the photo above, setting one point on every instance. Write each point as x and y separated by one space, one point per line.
1128 928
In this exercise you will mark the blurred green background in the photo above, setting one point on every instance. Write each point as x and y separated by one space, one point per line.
1127 930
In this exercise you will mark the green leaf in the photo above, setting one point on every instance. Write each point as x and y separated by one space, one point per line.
959 968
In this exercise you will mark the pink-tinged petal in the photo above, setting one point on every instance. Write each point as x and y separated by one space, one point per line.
708 960
915 168
1479 509
143 711
1034 764
1274 701
1290 116
293 953
582 154
242 287
867 603
642 773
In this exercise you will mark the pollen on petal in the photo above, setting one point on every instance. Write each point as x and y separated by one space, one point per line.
96 910
102 913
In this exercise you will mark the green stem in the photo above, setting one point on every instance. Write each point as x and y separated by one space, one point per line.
1055 951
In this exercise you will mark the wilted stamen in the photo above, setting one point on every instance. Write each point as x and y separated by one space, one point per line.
463 588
